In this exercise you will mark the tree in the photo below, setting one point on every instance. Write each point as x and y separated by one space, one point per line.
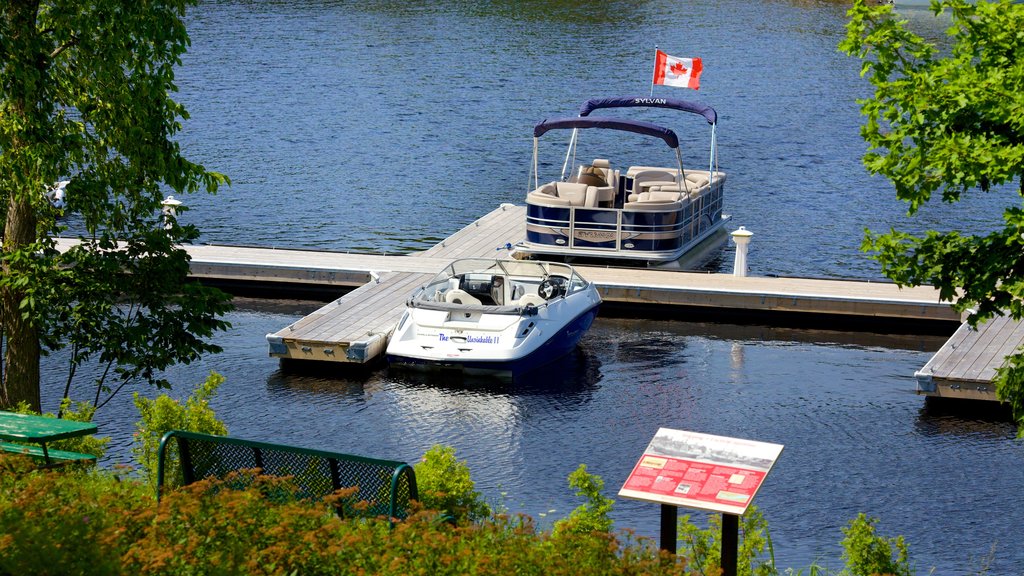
84 96
950 125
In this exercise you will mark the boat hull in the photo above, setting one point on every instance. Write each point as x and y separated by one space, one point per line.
523 358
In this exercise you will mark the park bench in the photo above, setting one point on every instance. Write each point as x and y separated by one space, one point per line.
387 487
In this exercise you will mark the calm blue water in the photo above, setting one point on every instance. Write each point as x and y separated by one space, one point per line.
387 126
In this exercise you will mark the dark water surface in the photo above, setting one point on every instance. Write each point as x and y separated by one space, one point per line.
387 126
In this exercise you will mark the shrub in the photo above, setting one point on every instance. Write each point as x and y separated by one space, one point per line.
444 484
754 556
89 523
163 414
867 554
592 515
67 521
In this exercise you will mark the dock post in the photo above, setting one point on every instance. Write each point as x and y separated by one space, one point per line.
169 210
742 239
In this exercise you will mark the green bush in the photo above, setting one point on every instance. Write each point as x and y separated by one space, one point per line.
754 556
867 554
58 523
444 484
67 521
592 515
164 414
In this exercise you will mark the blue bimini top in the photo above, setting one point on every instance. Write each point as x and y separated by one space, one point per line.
704 110
635 126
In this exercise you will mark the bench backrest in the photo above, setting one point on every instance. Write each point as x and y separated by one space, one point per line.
387 486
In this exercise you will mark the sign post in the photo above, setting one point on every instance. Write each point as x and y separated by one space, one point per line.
702 471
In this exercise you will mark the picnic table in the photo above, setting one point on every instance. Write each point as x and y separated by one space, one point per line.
28 429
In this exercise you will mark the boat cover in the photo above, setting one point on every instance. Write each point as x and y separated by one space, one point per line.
704 110
636 126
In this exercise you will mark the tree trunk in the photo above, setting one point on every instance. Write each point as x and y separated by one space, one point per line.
21 356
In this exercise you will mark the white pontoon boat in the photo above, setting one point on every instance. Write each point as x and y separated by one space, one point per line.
641 214
486 316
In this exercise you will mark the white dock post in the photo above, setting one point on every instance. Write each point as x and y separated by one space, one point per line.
169 210
742 239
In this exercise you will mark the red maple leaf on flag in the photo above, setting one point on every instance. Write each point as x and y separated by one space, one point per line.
678 69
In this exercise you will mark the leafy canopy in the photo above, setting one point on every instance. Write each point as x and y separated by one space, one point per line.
949 125
85 97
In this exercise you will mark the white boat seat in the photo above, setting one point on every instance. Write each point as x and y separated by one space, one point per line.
698 180
574 192
652 206
530 299
642 176
663 195
460 297
564 194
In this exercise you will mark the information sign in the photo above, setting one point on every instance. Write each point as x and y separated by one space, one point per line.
701 471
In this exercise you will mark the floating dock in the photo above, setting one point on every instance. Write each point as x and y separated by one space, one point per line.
966 364
355 327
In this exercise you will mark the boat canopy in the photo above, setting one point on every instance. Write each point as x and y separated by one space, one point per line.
704 110
635 126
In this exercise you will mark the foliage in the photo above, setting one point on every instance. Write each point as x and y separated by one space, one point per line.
592 515
754 556
950 125
67 521
867 554
85 97
58 523
163 414
76 412
444 484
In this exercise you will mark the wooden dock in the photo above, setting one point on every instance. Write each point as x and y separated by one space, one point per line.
356 326
966 364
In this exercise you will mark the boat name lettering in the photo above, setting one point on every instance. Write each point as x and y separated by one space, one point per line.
472 339
649 101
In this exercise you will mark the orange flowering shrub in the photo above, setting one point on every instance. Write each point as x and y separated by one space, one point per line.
53 522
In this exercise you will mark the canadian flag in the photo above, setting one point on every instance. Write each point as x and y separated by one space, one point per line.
672 71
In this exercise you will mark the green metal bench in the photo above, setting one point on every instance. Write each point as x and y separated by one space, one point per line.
386 486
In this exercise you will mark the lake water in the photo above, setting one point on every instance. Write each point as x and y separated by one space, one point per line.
387 126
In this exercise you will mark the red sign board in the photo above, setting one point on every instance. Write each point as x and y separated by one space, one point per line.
702 471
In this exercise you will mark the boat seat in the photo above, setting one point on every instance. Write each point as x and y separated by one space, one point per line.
530 299
663 195
652 206
698 180
564 194
648 176
458 296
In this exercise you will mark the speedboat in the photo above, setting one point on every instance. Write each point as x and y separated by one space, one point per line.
483 316
640 214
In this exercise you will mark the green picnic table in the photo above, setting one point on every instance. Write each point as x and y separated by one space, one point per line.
29 429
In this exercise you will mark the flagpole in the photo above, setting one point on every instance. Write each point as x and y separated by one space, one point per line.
655 69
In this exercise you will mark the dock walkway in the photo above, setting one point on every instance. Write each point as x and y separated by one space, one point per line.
966 364
355 327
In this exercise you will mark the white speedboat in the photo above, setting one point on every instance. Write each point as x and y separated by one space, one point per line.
641 214
487 316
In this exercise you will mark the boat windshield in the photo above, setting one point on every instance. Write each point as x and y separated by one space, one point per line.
479 274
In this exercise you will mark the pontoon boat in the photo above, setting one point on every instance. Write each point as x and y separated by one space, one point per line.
640 214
